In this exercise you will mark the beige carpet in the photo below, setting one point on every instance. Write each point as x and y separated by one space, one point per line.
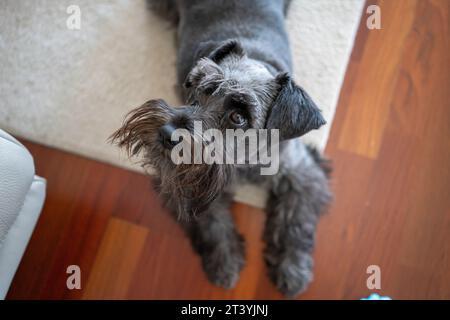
71 88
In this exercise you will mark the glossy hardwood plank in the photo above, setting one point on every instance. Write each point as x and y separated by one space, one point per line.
375 82
117 258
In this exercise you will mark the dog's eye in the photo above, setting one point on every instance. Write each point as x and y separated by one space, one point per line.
237 118
209 90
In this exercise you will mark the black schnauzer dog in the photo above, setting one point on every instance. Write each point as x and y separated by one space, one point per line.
234 65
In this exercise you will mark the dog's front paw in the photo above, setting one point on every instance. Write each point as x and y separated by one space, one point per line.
222 266
291 274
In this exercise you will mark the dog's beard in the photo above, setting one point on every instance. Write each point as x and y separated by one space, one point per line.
187 189
139 131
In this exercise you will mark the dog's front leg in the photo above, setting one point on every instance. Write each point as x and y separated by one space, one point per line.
297 197
221 247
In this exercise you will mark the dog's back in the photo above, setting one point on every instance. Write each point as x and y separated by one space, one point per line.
257 24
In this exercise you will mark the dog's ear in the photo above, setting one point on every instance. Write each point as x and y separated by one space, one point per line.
218 50
208 56
226 48
205 71
293 112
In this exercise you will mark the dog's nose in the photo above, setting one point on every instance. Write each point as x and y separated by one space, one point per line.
165 135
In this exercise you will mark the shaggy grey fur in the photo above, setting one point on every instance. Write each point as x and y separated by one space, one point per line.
234 63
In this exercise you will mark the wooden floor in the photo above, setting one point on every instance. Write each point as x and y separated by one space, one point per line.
390 144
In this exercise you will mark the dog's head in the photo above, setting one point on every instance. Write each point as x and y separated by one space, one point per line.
226 90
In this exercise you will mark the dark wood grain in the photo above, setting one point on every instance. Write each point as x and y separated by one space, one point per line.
390 147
